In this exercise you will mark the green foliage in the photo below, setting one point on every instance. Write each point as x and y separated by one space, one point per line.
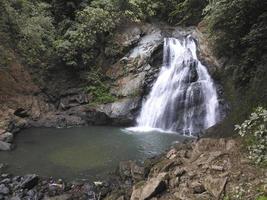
87 37
262 198
186 12
98 89
237 32
80 44
100 94
137 10
66 9
230 23
29 29
5 57
76 33
255 129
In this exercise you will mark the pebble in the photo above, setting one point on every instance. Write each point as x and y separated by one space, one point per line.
6 181
179 171
217 167
5 175
4 190
198 188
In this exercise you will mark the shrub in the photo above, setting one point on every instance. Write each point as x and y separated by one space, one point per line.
262 198
255 130
5 57
139 10
28 28
186 12
98 89
230 21
79 45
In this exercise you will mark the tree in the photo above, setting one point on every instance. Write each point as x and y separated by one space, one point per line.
80 44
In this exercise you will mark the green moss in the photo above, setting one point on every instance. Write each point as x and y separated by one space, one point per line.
140 184
101 94
5 57
226 197
262 198
98 89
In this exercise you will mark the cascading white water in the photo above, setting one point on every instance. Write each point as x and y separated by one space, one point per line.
183 98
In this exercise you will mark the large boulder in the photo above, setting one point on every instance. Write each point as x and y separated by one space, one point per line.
150 188
29 181
121 112
4 146
215 185
6 137
4 190
2 131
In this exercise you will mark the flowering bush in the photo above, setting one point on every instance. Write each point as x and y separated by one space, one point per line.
255 129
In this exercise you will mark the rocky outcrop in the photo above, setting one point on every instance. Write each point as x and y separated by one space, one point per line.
151 188
208 169
21 100
135 72
122 112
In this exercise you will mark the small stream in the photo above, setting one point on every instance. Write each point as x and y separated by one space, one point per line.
81 153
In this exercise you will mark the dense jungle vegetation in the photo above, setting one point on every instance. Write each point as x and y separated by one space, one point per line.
46 31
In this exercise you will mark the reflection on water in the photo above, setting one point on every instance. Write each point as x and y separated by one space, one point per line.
88 152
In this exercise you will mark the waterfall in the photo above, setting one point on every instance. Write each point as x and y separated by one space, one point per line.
183 98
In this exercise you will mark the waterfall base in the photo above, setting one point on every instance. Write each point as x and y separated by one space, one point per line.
183 98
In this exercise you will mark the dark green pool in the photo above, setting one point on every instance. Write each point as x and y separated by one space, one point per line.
74 153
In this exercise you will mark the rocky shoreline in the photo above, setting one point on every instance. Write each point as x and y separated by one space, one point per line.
203 169
33 187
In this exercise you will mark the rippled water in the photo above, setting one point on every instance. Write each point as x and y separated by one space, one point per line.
88 152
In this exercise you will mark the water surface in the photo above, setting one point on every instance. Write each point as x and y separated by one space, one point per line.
75 153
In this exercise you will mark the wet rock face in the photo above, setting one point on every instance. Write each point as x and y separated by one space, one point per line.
130 71
135 73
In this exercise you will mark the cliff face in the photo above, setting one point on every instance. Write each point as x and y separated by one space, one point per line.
134 74
20 97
